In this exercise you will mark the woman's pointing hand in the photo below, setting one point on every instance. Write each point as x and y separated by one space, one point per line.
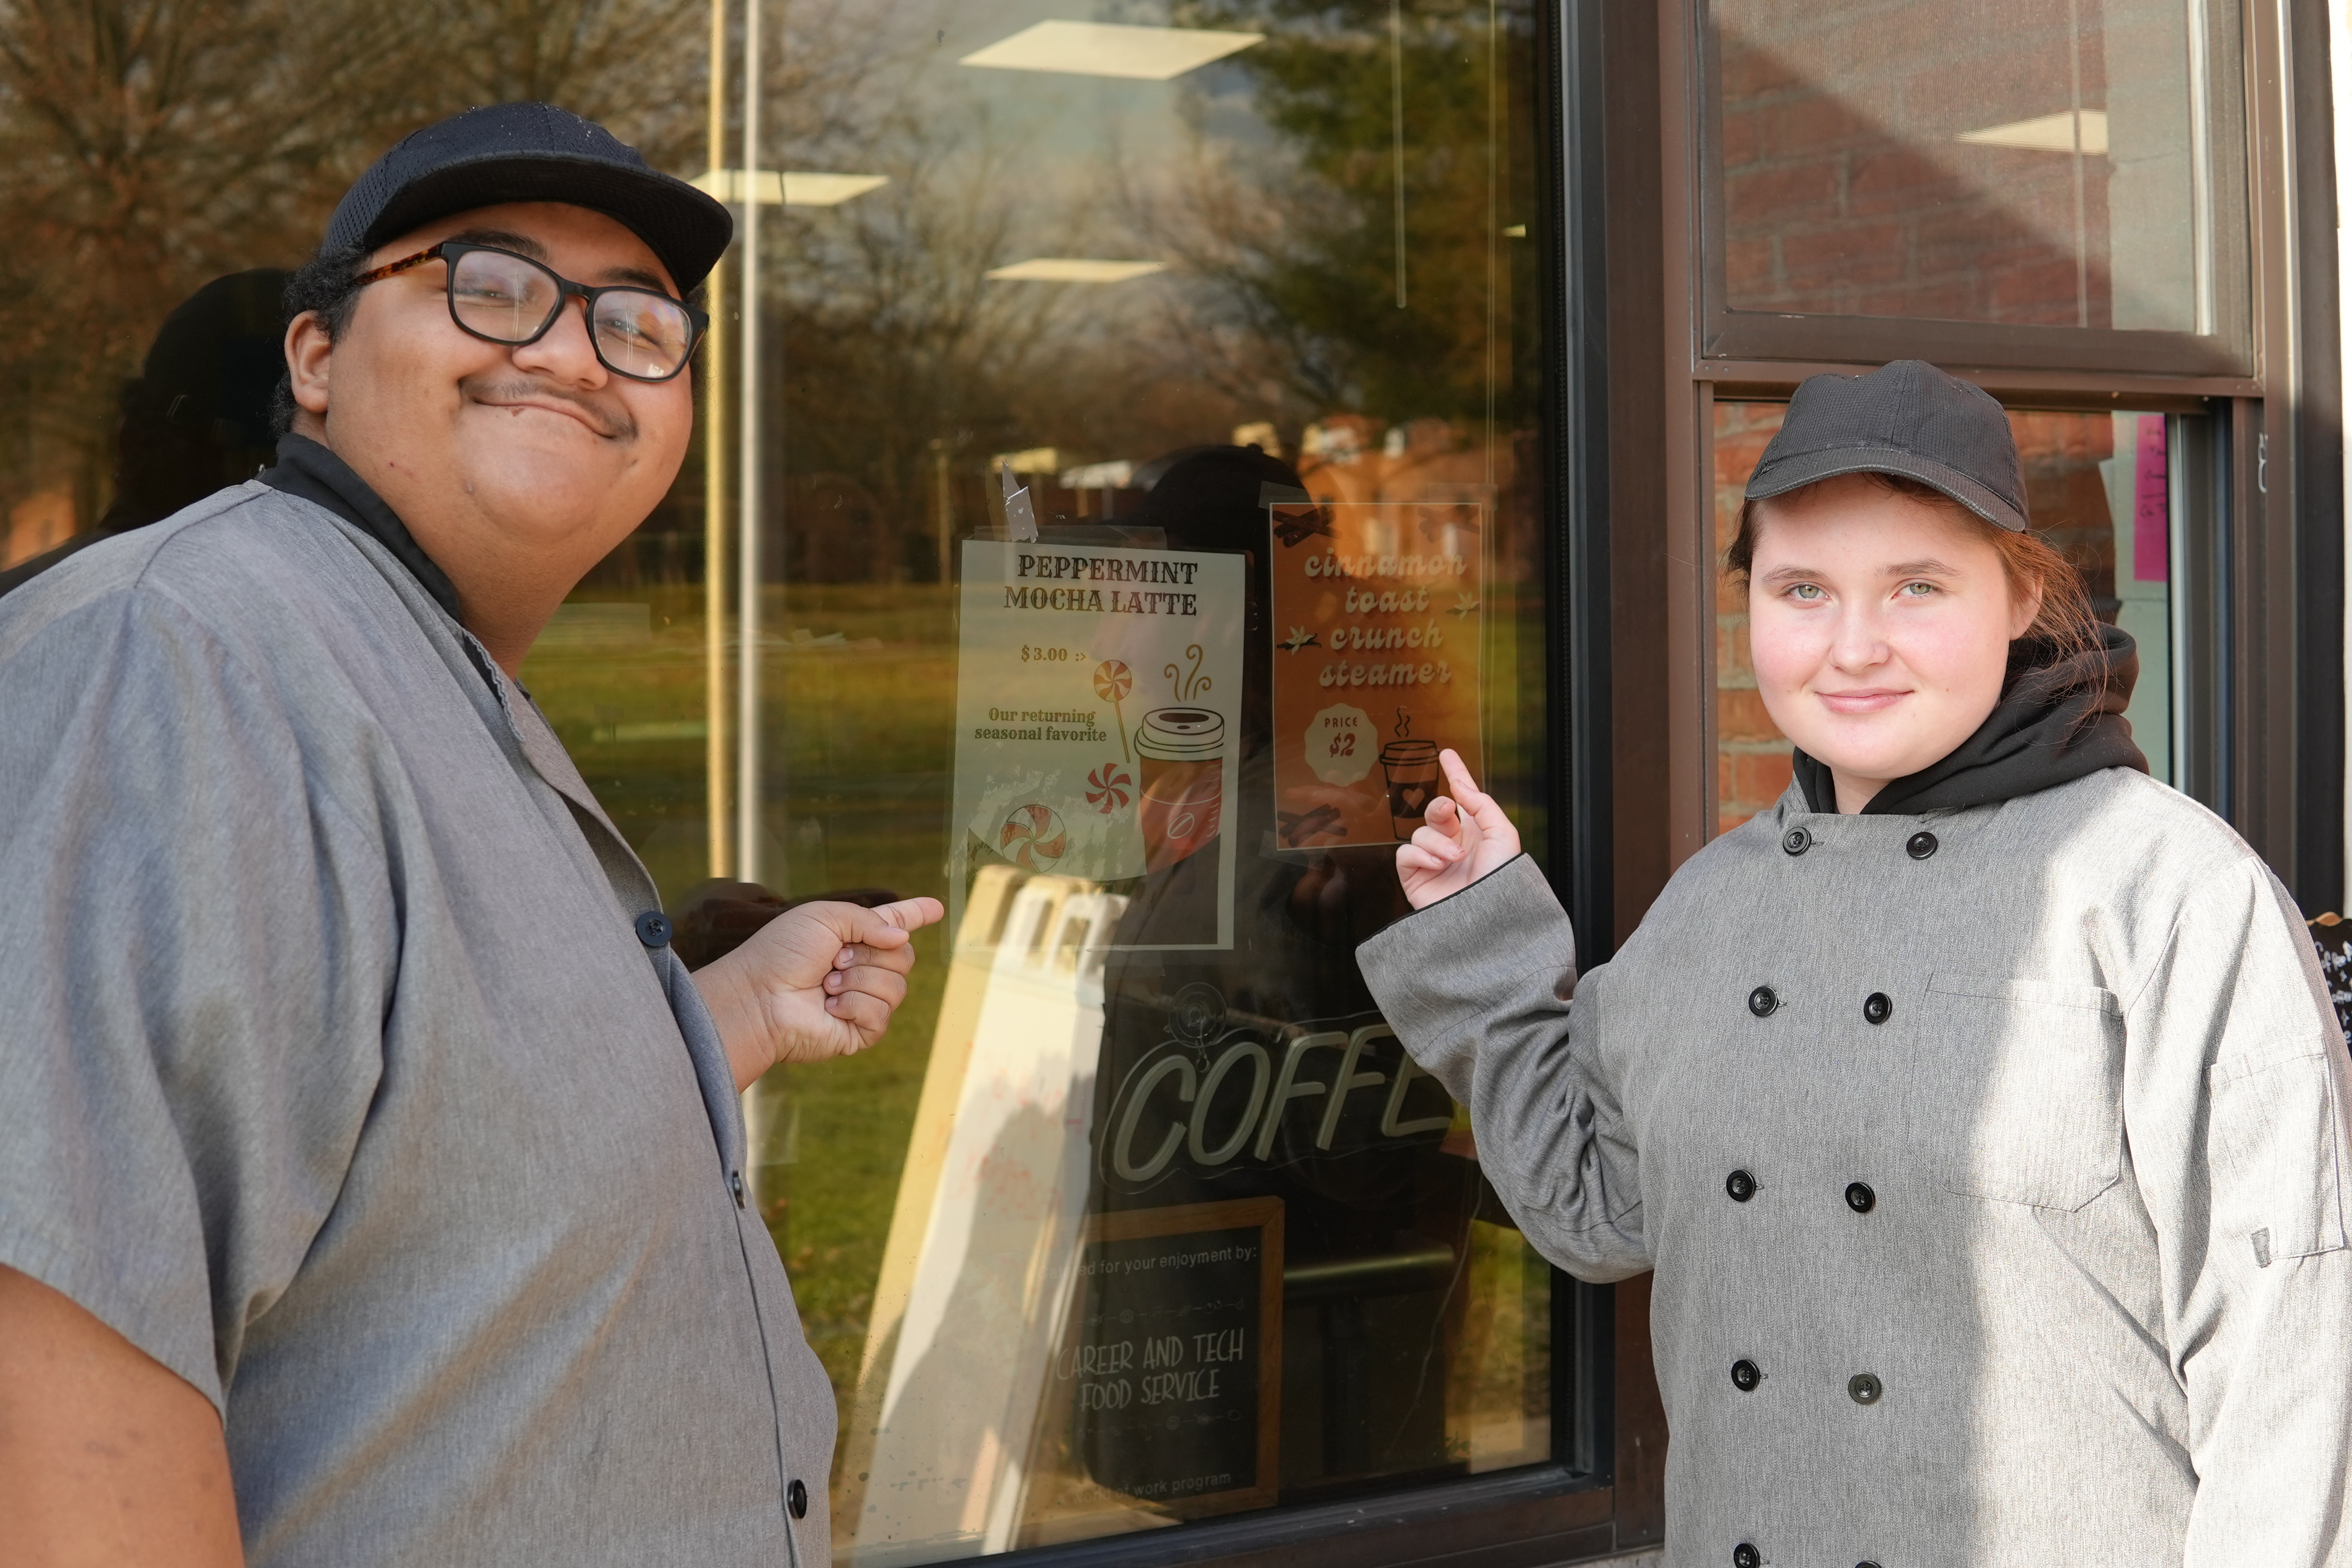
1465 836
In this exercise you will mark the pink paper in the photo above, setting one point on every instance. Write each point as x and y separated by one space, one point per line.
2151 506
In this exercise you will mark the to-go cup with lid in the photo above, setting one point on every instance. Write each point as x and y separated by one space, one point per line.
1183 751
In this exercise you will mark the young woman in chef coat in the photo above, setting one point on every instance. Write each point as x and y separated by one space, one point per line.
1979 1106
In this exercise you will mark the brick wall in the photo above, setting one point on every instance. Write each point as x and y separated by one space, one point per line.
1847 190
1751 755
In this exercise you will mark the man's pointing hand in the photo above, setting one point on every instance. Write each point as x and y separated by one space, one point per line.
819 981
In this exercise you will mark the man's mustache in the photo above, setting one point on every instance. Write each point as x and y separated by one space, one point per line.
605 414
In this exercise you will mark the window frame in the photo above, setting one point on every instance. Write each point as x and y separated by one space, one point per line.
1568 1508
1723 334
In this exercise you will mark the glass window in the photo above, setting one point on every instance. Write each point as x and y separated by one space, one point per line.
1134 429
2097 486
1145 487
2038 162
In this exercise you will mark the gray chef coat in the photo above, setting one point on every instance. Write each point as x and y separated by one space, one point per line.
335 1075
1992 1162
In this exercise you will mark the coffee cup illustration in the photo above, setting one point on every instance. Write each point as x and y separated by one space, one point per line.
1181 751
1410 767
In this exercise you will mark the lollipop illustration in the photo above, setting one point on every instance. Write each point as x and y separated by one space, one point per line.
1032 836
1113 681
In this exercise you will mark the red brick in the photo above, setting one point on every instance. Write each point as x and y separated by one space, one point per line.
1850 256
1743 135
1735 456
1740 715
1748 72
1757 778
1799 127
1898 35
1731 664
1766 197
1897 179
1747 268
2042 293
1975 227
1974 82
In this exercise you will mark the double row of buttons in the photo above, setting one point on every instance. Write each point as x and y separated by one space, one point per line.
1862 1387
1876 1007
1745 1555
1741 1186
1919 845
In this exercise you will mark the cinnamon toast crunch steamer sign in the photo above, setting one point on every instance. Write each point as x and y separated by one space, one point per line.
1097 715
1379 611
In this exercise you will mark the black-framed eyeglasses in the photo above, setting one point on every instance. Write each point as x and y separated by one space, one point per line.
503 298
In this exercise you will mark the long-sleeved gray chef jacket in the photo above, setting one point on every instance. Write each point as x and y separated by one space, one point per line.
2038 1257
341 1072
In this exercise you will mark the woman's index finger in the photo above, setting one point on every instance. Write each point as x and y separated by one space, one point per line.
1466 788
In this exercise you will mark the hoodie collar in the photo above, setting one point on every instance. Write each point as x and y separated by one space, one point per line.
2058 721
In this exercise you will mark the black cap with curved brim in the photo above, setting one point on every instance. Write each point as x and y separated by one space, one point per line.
1906 418
532 152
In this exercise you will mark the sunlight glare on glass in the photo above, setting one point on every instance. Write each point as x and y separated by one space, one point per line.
1111 49
2047 133
1074 269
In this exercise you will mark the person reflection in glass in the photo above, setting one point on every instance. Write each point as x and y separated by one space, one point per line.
1362 1182
196 418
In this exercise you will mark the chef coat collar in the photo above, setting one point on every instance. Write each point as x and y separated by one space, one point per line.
310 471
2057 721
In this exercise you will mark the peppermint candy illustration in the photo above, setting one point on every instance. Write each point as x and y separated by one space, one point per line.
1108 787
1032 836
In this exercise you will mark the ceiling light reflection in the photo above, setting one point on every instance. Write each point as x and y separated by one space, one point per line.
790 187
1074 269
1111 49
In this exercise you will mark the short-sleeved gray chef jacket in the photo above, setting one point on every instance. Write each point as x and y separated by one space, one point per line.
334 1075
2033 1115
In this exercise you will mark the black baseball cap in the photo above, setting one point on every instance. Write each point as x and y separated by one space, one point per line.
1906 418
532 152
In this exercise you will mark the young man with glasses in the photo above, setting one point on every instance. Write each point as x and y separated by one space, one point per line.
372 1182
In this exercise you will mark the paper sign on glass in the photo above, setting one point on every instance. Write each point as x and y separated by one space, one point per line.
1378 613
1098 727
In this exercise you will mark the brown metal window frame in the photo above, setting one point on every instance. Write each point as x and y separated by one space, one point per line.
2228 351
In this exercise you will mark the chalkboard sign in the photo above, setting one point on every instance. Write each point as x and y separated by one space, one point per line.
1173 1358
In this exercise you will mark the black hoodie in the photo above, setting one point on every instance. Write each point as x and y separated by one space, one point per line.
2057 721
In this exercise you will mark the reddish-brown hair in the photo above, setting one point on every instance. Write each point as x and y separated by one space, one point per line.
2065 625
